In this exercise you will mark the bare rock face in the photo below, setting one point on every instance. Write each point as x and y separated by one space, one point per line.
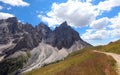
39 45
43 30
26 36
63 37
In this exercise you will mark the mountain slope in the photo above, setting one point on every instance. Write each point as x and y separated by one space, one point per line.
83 63
113 47
87 61
39 45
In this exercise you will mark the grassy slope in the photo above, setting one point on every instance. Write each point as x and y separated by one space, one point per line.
113 47
83 62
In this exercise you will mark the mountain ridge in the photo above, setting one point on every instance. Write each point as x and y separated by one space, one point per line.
39 44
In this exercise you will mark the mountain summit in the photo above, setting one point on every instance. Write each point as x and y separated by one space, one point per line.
32 47
64 37
64 24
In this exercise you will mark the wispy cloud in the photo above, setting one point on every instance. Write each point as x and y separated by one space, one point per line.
107 5
100 23
15 2
103 29
5 15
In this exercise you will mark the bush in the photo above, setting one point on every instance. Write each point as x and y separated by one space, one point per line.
12 65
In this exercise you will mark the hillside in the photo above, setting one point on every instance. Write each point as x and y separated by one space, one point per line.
113 47
83 62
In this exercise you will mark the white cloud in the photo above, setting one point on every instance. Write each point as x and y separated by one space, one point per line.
107 5
51 21
73 11
88 0
5 15
115 26
79 13
115 22
15 2
104 33
100 23
95 35
1 7
115 33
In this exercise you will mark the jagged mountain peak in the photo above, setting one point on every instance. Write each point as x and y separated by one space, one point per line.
63 36
8 21
12 19
42 26
64 23
9 18
43 30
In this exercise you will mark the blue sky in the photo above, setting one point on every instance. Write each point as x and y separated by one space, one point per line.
97 21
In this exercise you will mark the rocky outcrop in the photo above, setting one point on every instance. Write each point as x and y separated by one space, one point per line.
64 37
43 30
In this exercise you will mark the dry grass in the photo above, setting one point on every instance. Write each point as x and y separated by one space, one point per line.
84 62
113 47
98 64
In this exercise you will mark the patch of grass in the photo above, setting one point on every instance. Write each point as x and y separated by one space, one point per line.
80 51
84 62
92 66
113 47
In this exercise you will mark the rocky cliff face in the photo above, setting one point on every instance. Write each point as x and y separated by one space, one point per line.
63 37
39 45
